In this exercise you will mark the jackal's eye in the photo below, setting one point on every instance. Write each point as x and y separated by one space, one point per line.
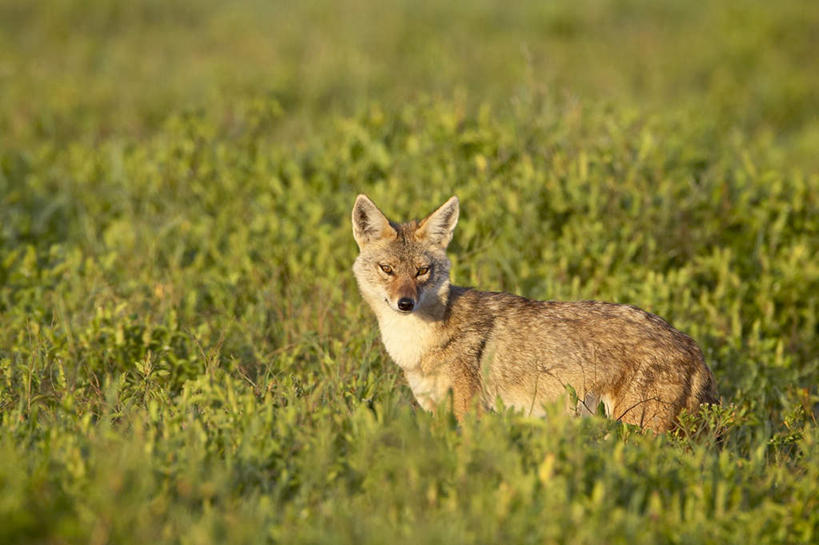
422 271
386 268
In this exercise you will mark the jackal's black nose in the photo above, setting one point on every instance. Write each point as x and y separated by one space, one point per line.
405 304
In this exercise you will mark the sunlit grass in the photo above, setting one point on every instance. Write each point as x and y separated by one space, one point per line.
184 356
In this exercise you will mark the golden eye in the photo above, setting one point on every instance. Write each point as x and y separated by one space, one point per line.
422 271
386 268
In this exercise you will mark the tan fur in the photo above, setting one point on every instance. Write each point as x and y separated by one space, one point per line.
485 347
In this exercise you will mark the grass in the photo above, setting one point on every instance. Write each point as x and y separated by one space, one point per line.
184 357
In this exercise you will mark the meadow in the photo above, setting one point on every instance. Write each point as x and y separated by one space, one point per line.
184 355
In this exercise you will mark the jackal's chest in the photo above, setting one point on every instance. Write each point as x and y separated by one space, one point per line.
406 338
429 389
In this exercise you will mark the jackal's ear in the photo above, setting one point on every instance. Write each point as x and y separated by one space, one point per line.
438 226
369 223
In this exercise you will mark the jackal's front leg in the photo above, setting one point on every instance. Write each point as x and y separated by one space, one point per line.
465 390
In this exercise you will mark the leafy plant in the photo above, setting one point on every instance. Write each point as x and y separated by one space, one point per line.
184 356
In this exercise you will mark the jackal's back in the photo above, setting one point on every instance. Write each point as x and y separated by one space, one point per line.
528 352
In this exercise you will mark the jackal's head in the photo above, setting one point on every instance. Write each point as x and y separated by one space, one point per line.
403 266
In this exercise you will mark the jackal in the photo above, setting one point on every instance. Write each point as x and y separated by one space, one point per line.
484 346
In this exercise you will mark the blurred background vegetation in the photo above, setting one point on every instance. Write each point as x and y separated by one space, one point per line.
95 68
184 357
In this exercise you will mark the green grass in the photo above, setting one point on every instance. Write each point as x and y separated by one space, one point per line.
184 357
